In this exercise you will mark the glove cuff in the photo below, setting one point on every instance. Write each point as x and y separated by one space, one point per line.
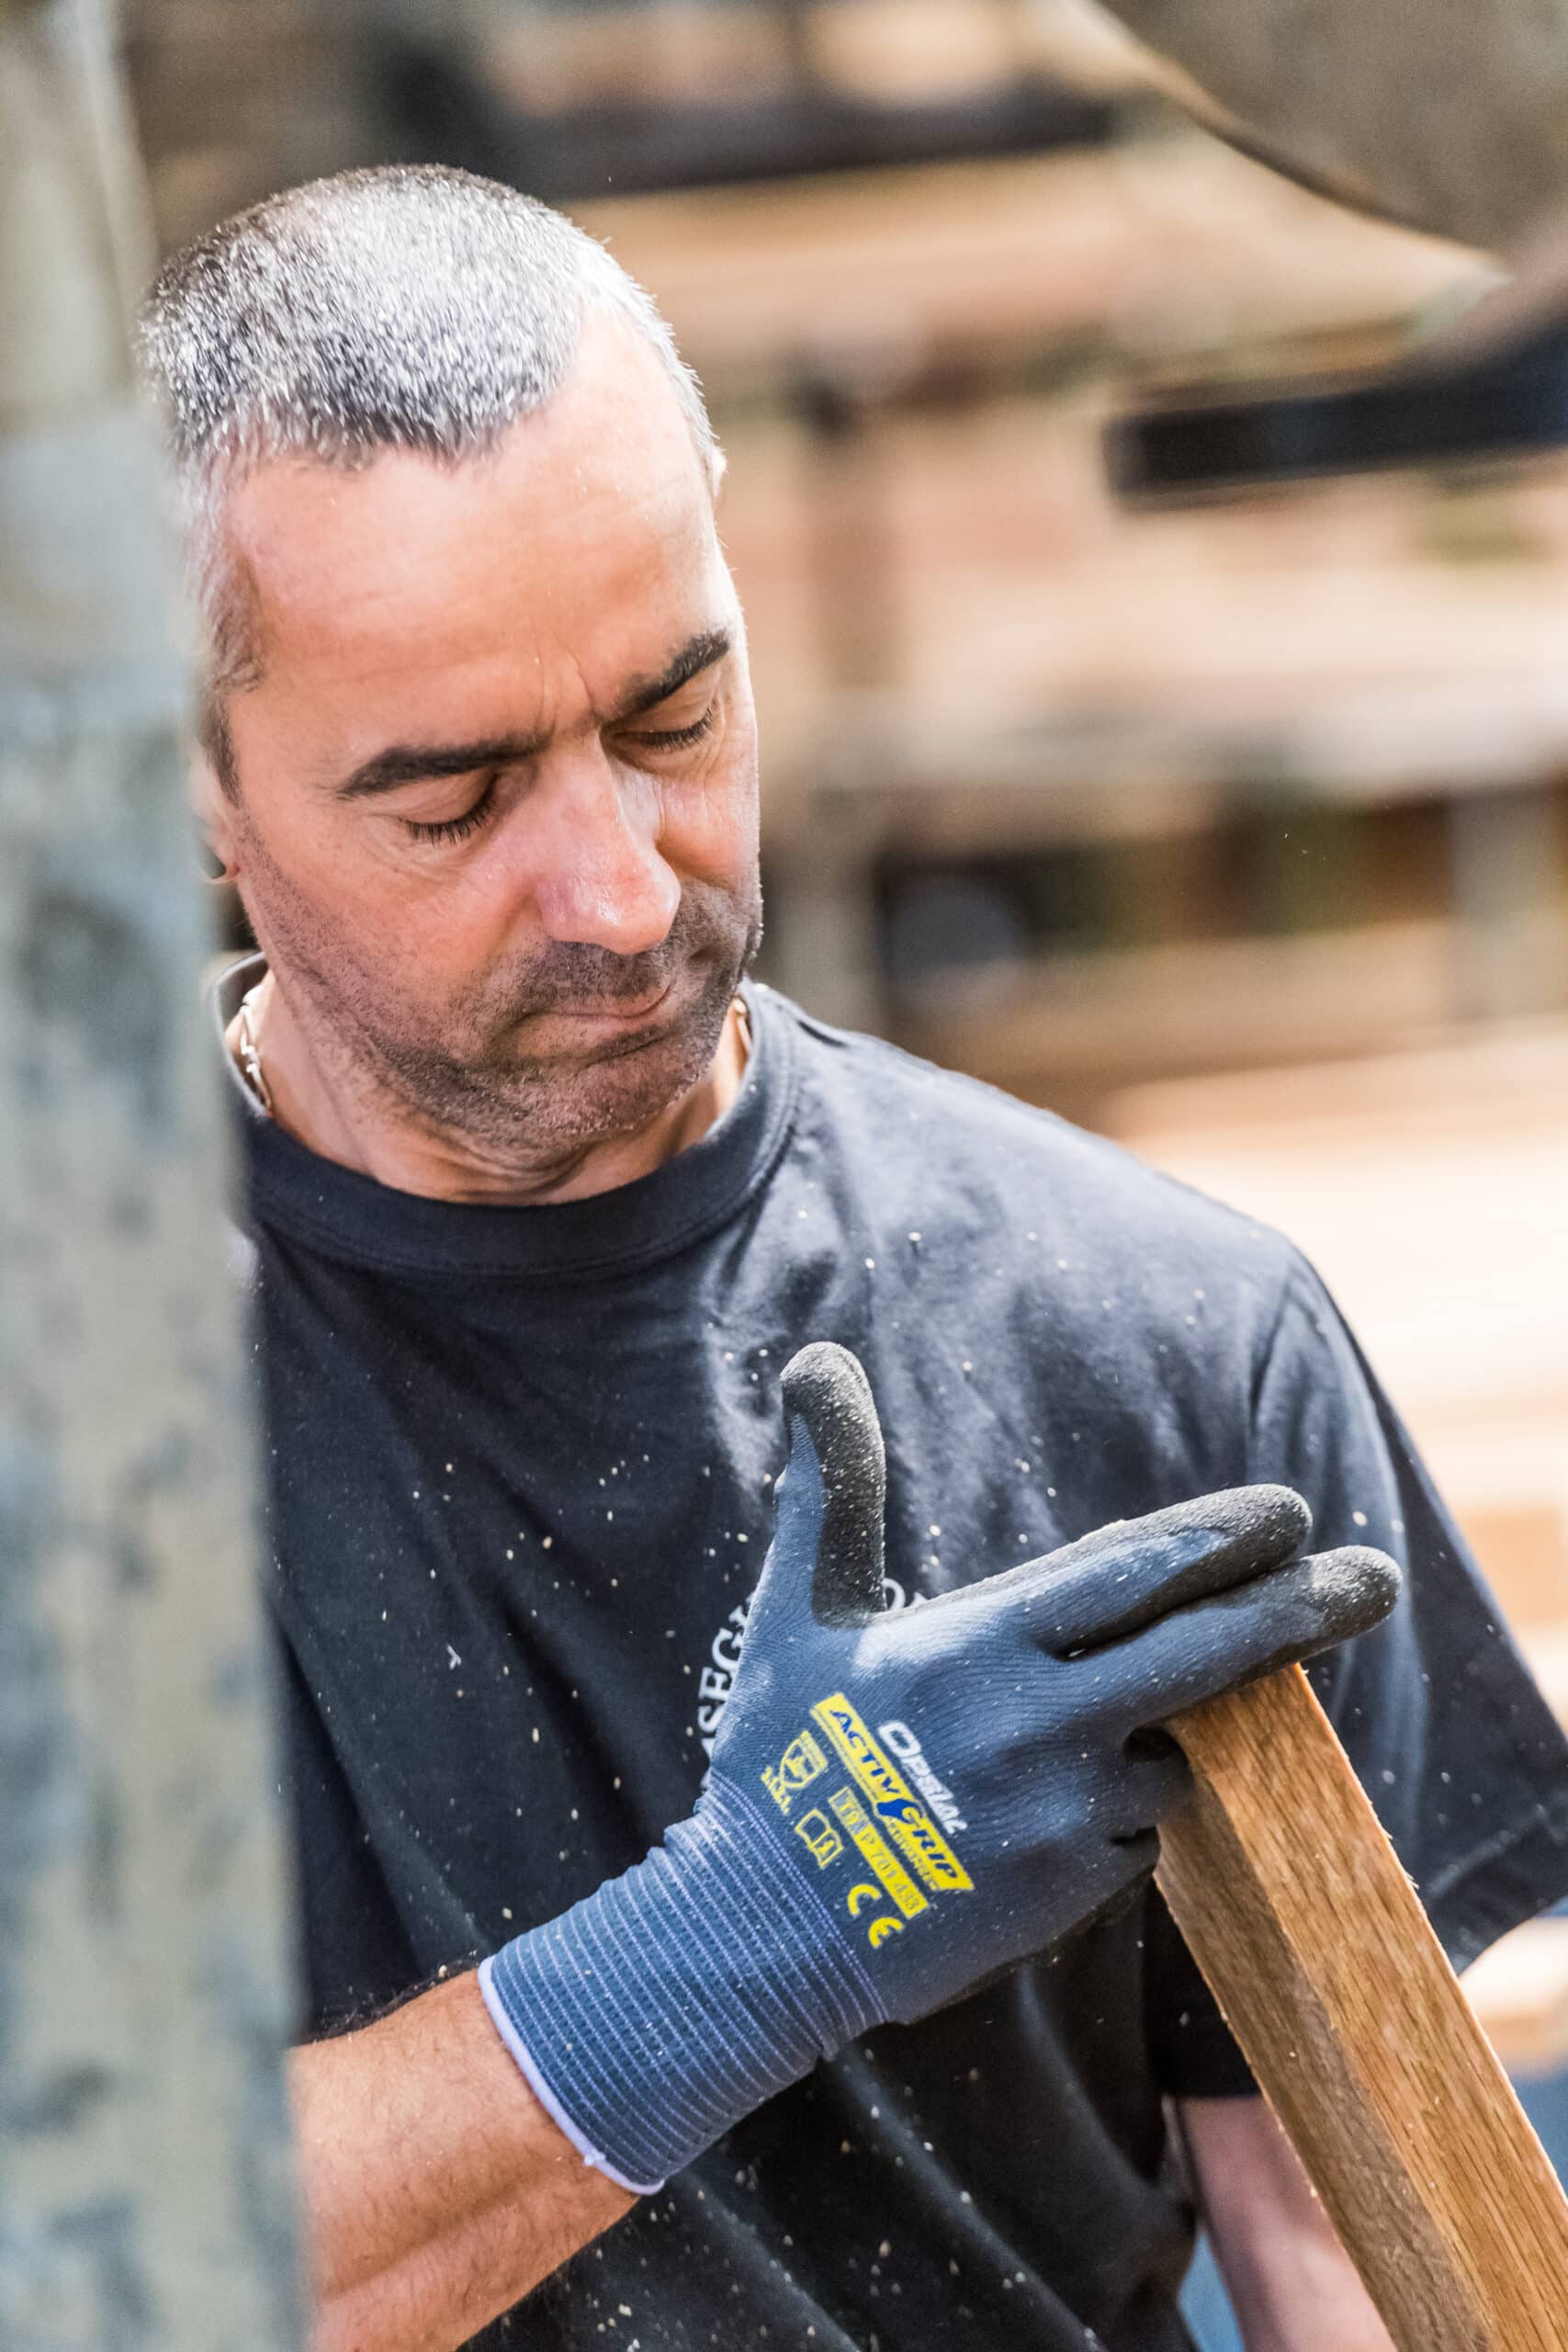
673 2000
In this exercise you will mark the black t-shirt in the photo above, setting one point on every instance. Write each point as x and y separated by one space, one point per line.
520 1469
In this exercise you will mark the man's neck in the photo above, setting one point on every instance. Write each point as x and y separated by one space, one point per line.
322 1108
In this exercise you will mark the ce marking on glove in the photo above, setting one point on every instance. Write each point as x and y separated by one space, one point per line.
883 1925
876 1812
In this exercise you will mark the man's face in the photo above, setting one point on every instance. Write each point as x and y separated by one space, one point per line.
496 819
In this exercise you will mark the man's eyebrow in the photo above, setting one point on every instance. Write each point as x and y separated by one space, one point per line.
403 763
420 763
699 653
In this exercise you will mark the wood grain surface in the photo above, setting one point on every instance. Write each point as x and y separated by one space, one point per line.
1294 1904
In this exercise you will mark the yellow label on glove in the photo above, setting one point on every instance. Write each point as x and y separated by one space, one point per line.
893 1806
877 1852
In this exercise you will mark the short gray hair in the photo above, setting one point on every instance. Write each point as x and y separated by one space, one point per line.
407 307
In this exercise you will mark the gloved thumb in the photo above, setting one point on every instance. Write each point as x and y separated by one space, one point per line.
834 1486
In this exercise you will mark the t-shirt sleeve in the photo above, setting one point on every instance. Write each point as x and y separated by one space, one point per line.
1437 1712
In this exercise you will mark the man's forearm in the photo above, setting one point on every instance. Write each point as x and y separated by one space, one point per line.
1292 2284
437 2191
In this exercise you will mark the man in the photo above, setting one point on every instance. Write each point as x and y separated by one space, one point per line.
543 1200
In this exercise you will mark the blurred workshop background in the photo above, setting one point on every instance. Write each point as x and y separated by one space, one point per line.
1236 830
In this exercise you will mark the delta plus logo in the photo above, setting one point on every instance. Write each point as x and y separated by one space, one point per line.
715 1679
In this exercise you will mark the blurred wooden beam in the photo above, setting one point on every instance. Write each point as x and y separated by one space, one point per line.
971 263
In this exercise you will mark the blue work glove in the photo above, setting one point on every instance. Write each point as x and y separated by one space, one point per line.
900 1805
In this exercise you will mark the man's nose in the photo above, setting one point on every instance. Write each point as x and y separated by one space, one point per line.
601 879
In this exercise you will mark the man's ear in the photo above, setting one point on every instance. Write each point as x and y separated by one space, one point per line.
213 809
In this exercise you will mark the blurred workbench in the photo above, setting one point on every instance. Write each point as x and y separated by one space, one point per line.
1429 1188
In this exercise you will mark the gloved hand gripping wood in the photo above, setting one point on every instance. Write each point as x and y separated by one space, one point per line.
902 1804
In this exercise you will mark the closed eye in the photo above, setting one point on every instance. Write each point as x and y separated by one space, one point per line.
674 739
454 828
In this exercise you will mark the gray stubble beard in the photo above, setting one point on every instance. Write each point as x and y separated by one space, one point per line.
506 1107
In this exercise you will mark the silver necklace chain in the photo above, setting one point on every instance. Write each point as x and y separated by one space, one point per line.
247 1053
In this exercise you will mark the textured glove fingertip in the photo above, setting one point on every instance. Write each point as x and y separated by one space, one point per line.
1270 1522
828 1398
1313 1605
1354 1589
826 1385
